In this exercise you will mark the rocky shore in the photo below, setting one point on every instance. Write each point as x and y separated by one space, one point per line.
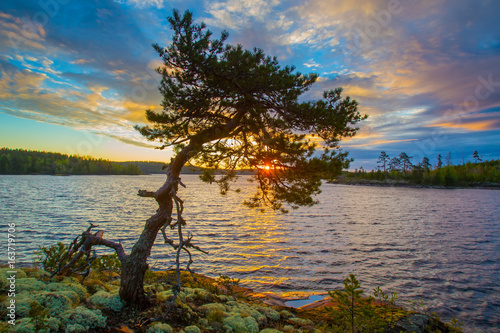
66 304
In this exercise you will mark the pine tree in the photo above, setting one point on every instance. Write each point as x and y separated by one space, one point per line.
405 161
426 164
383 159
394 164
228 108
476 157
439 161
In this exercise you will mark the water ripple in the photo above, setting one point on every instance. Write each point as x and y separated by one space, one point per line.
438 246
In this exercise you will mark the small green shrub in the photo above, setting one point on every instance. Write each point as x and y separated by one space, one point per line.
38 316
49 258
455 326
54 257
355 313
107 263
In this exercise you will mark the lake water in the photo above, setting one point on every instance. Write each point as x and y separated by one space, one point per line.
438 246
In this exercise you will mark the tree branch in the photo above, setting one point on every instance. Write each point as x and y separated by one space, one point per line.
147 194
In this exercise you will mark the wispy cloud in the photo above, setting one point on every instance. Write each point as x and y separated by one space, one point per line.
416 67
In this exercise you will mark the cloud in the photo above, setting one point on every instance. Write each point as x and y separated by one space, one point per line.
235 14
311 63
28 94
143 3
81 61
16 33
377 143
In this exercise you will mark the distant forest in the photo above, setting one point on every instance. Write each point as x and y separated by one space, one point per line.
401 169
19 162
22 162
158 167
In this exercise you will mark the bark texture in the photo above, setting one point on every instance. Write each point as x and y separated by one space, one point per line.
134 265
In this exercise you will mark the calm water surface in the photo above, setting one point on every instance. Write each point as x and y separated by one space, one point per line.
438 246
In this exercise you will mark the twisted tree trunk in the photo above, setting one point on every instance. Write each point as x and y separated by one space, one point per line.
134 265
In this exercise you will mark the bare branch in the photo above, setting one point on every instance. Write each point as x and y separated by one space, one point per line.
148 194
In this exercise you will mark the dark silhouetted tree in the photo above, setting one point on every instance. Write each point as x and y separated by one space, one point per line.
394 164
476 157
228 108
439 161
405 162
383 159
425 164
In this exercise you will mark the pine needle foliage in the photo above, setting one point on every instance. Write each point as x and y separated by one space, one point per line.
239 109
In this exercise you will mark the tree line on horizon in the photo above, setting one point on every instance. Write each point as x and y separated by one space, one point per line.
21 161
443 173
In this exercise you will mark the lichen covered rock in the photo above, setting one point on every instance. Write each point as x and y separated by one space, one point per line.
107 301
211 307
284 314
160 328
300 321
29 285
237 324
76 288
56 302
198 294
23 325
270 313
270 330
4 274
89 319
75 328
192 329
168 295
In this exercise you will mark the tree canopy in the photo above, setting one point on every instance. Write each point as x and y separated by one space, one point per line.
227 108
230 108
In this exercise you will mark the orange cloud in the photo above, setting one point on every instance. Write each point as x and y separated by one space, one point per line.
378 142
474 126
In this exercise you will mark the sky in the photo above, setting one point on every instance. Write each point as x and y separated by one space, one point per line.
75 76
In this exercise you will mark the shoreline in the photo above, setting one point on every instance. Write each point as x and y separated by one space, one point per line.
396 183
